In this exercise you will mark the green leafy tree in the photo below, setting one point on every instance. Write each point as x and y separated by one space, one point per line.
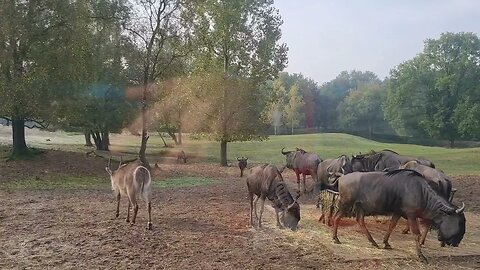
436 92
293 109
362 108
239 41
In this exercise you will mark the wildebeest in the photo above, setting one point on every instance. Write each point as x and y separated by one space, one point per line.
242 164
182 156
302 163
328 171
385 160
439 182
266 182
132 180
400 193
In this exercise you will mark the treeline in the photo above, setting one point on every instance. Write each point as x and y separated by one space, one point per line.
211 68
435 95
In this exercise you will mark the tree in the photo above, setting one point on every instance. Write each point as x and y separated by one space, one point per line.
158 33
362 108
237 41
25 29
436 91
293 113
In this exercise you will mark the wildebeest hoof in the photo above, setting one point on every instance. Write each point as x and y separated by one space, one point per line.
117 215
405 231
387 246
127 220
442 244
132 223
375 244
336 241
149 226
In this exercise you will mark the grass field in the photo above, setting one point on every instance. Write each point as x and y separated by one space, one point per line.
453 161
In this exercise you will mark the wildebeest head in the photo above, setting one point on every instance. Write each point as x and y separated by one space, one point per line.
452 227
291 216
289 156
242 164
346 164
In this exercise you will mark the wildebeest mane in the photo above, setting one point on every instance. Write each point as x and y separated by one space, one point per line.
399 171
391 151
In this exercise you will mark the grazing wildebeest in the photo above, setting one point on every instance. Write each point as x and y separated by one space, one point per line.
302 163
400 193
328 171
132 180
439 182
385 160
242 164
266 182
181 156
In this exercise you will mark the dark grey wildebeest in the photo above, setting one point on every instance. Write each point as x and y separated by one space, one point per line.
302 163
242 164
328 171
266 182
385 160
400 193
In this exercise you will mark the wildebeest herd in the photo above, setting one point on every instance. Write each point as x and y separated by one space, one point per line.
377 183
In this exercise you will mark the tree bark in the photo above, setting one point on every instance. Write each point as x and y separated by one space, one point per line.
88 139
179 135
18 136
452 143
223 152
143 146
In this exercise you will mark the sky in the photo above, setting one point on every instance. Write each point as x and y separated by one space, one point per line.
326 37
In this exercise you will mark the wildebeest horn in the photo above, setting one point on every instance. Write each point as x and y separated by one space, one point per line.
284 153
238 159
121 161
109 162
461 209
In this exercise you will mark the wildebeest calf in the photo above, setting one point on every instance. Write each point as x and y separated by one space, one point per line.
132 180
242 164
266 182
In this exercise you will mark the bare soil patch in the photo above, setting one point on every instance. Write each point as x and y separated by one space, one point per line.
204 227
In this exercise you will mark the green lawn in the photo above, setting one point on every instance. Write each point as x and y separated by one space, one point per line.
327 145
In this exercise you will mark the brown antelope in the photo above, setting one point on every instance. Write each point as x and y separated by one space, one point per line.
132 180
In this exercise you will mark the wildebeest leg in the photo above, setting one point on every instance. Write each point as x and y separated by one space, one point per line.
424 234
361 222
330 211
298 182
304 187
336 221
128 212
262 204
412 221
391 226
406 230
149 224
255 206
250 198
117 214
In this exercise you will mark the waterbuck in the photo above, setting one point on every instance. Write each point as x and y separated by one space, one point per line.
132 180
242 164
182 156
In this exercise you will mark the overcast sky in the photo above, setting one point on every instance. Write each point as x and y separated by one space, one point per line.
326 37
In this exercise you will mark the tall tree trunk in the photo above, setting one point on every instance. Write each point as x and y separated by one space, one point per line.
292 127
100 140
88 139
275 129
223 152
143 146
179 133
18 136
452 143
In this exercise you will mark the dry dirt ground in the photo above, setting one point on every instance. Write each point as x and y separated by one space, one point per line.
203 227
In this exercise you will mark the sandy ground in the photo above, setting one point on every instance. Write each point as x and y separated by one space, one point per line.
203 227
